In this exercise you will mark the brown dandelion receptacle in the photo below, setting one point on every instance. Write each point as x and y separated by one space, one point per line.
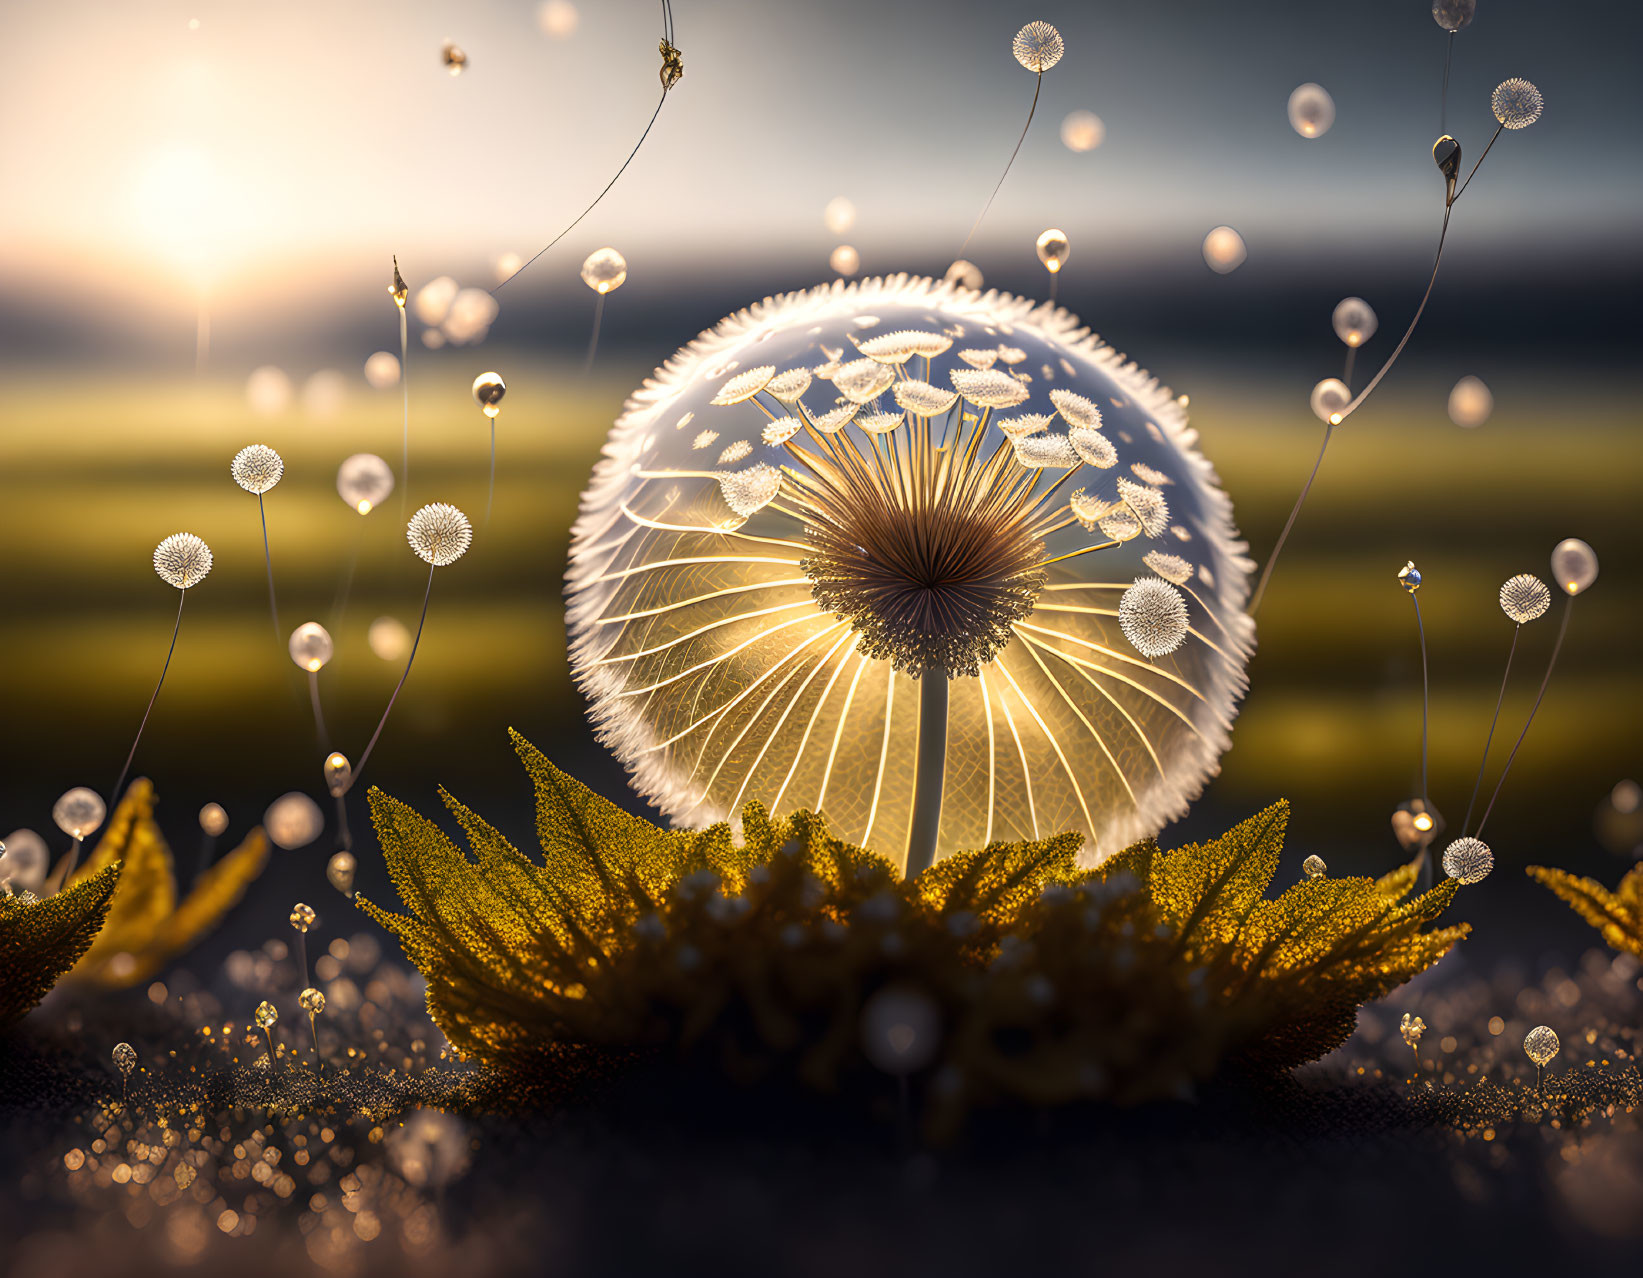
909 578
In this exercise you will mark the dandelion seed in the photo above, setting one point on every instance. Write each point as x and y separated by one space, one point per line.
340 870
863 380
257 468
1046 451
1153 616
979 359
1053 251
302 916
1088 510
964 274
735 452
922 399
749 491
1524 597
213 819
293 821
902 345
24 861
1011 355
837 418
744 386
1149 474
988 388
1468 860
1329 400
439 533
704 439
1541 1045
1470 403
790 386
1574 566
879 423
311 647
79 812
1516 103
1411 1028
1409 577
844 260
1076 410
1024 424
1452 15
1149 505
781 430
364 481
1354 321
1038 47
1093 447
338 772
1311 110
125 1058
1172 568
182 560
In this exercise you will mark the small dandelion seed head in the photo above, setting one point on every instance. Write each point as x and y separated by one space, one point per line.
310 646
338 772
302 916
1574 566
988 388
1329 400
604 270
266 1015
364 481
1541 1045
1468 860
978 358
922 399
1516 103
1313 867
439 533
257 468
1524 597
789 386
79 811
903 344
1149 505
733 453
1354 321
1411 1028
182 560
488 390
749 491
125 1058
1172 568
1024 424
1076 409
863 379
1038 46
1053 249
745 385
213 819
311 1001
1046 451
1409 577
1093 447
1153 616
1452 15
781 430
340 871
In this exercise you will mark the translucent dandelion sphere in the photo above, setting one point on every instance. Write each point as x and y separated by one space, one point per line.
293 821
918 481
1524 597
24 861
1224 250
1468 860
213 819
488 390
1470 402
844 260
1053 249
1311 110
257 468
1329 400
1516 103
440 534
1452 15
78 812
1038 46
1541 1045
1153 616
125 1058
182 560
310 646
1313 867
1574 565
604 270
364 481
1354 321
1082 131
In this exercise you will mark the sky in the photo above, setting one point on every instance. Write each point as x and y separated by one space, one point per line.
272 155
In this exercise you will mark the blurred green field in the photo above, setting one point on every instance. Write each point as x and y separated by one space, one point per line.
95 478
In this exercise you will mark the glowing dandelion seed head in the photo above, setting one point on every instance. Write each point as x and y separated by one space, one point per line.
78 812
1524 597
1354 321
1153 615
1452 15
964 274
125 1058
293 821
302 916
439 533
1574 566
213 819
1415 824
364 481
310 646
1082 131
257 468
1470 402
844 260
1038 46
1329 399
762 635
1410 1028
1541 1045
1516 103
1224 250
340 870
311 1001
604 270
382 370
1311 110
182 560
488 390
1053 249
338 772
1409 577
1314 868
25 861
1468 860
266 1015
839 215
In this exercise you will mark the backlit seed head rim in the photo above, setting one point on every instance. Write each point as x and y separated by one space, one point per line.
1525 597
439 533
182 560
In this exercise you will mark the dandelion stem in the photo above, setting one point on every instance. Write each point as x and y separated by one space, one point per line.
1055 278
1272 559
319 715
1037 88
1426 700
339 606
1568 608
929 771
1346 373
359 767
1489 740
1477 166
268 562
1443 99
345 836
490 490
593 342
405 413
114 794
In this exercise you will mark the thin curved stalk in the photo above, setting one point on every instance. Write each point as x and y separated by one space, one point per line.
268 562
1272 559
114 794
1037 88
1489 740
1443 100
1478 165
1568 609
359 767
405 412
1426 702
593 341
490 488
930 771
320 733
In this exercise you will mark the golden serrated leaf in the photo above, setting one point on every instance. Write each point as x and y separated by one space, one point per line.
41 940
1617 915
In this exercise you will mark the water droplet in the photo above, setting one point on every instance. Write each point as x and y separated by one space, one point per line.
1574 565
1224 250
364 481
604 270
338 772
78 812
1354 321
213 819
302 916
1311 110
310 646
1053 249
1314 868
488 390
